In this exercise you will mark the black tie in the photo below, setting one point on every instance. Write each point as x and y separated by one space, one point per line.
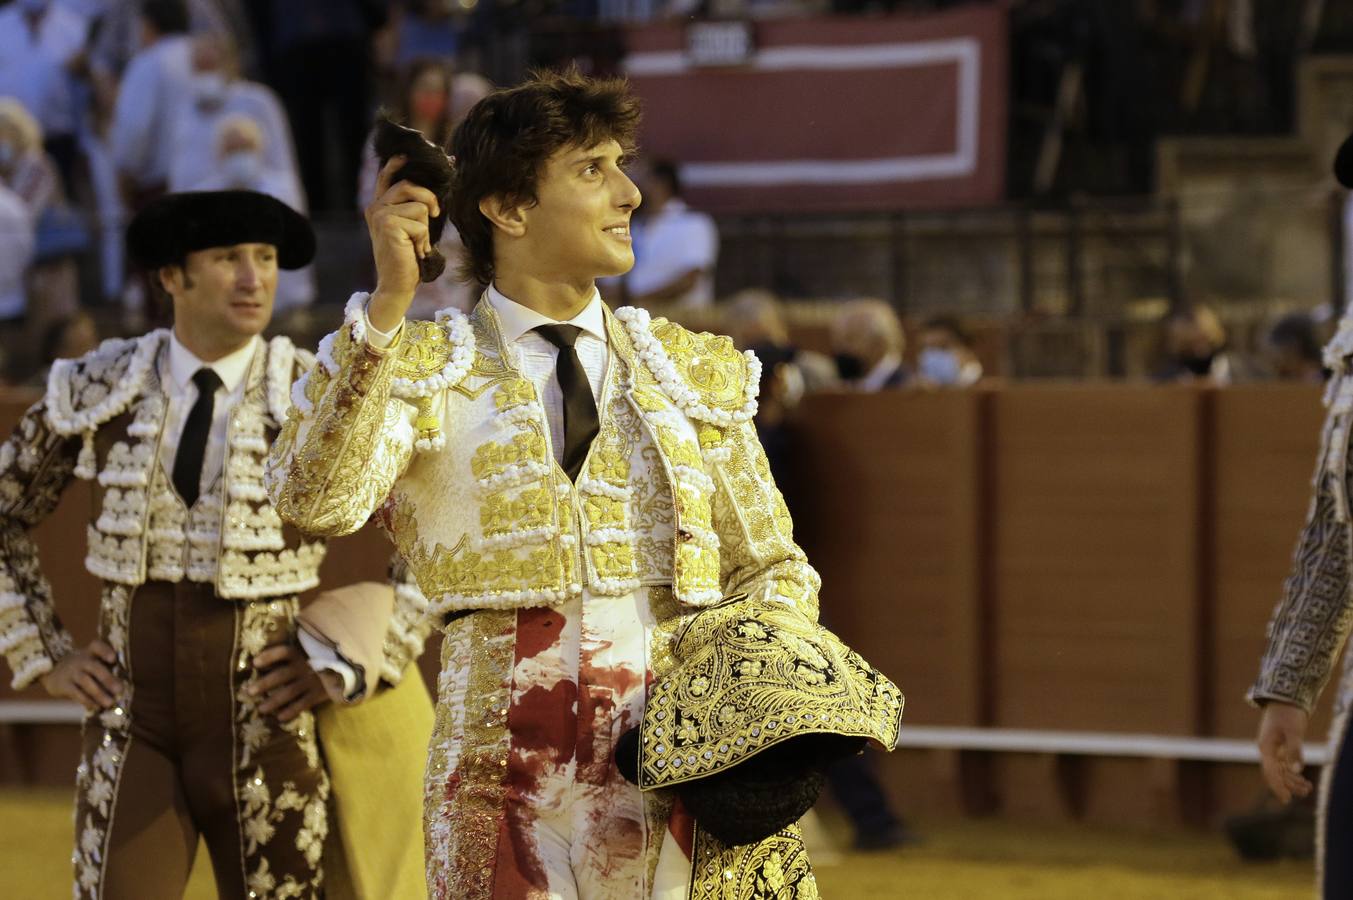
580 407
193 441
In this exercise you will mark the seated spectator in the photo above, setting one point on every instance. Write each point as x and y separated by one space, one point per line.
947 358
1292 349
426 104
675 247
240 163
1195 348
217 92
755 320
867 343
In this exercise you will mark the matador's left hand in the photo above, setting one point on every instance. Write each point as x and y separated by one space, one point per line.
286 683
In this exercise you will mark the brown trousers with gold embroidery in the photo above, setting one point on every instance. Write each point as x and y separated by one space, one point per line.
187 755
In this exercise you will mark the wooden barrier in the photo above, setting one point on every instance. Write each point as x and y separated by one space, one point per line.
1089 558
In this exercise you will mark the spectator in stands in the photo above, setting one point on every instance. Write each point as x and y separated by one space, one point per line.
675 247
1195 348
156 83
320 57
867 342
241 162
42 58
218 91
59 232
25 167
755 320
1292 349
947 358
467 89
427 103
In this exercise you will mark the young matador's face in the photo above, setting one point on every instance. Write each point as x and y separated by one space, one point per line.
579 226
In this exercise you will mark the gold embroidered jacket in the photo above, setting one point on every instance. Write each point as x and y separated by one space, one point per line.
102 419
449 441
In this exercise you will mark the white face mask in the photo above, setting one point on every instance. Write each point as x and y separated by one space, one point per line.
939 366
209 88
242 168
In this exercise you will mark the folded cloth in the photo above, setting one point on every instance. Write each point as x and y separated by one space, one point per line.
353 622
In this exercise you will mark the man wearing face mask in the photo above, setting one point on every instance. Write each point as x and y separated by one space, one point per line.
947 358
216 94
867 343
241 163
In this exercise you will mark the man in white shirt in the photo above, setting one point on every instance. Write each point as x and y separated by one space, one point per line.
154 86
675 247
199 697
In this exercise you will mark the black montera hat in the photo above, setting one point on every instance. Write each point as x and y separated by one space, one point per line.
168 229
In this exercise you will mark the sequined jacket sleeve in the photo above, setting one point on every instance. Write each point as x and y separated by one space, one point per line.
1312 619
346 439
36 464
758 555
410 624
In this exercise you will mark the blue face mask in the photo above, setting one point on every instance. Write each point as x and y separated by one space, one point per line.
938 366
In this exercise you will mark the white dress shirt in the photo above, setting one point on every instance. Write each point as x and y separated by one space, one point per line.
181 394
16 252
537 358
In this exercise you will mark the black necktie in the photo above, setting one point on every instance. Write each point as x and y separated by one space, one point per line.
580 407
193 441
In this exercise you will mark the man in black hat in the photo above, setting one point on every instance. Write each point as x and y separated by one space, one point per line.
198 695
1311 624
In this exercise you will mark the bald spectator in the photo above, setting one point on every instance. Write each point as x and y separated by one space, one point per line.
153 87
675 247
216 92
867 342
947 357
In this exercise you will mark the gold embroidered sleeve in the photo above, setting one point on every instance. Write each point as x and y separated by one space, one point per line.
410 623
1312 620
758 556
36 464
345 441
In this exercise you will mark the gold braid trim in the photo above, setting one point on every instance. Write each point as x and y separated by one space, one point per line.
774 869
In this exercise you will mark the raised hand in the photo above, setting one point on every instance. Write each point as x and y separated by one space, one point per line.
397 220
